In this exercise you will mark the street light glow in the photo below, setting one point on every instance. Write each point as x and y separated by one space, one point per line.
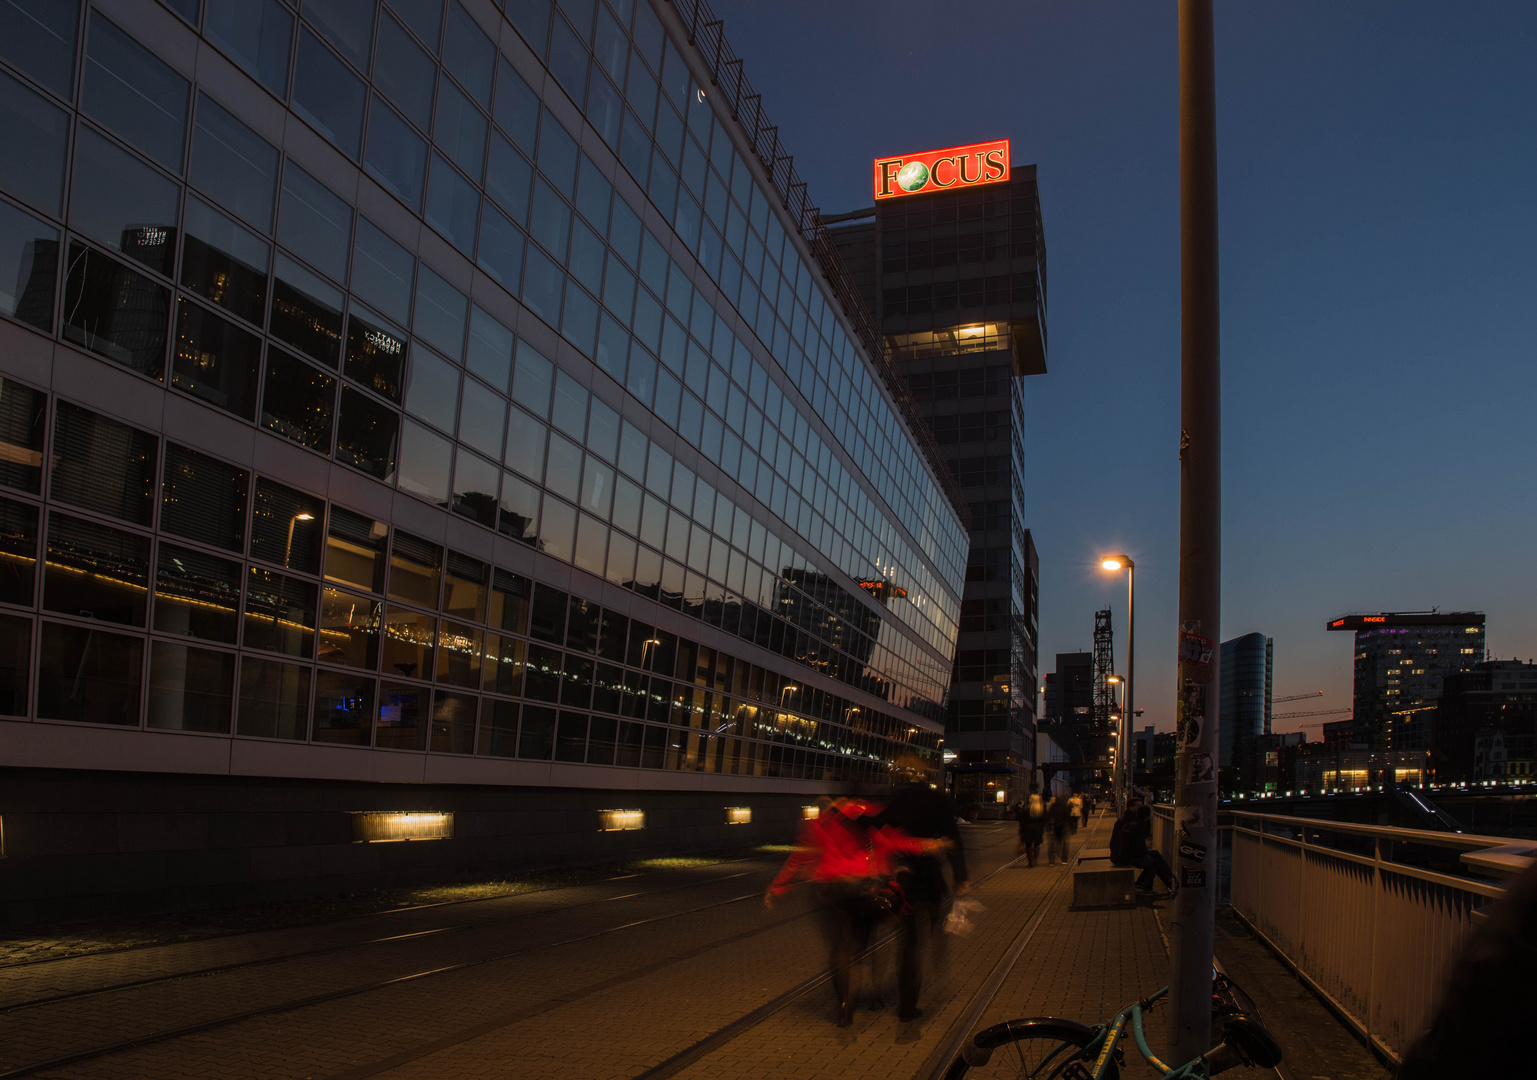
1111 563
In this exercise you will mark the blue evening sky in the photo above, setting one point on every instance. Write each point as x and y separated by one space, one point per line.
1378 170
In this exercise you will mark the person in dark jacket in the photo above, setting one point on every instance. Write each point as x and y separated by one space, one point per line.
1032 827
1058 811
1136 851
919 811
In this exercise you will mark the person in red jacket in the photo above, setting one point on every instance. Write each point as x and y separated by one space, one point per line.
848 861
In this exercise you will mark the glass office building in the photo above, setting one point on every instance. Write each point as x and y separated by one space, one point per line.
440 392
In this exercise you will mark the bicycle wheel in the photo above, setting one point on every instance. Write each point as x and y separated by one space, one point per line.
1035 1048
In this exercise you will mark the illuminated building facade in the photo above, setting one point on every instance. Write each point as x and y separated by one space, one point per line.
448 397
1244 707
956 271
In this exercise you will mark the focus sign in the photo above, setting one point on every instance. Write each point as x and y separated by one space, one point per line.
938 170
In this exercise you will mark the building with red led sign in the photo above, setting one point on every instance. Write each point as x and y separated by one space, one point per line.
940 170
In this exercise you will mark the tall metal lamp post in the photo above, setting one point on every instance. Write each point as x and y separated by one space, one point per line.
1128 707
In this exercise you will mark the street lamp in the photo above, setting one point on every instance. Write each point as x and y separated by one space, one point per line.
1114 563
288 550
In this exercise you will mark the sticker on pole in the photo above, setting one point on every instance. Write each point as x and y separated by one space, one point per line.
1202 770
1192 877
1189 849
1194 649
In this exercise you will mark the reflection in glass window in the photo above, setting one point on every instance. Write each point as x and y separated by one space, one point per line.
469 54
452 205
509 179
123 203
557 529
518 510
233 164
489 353
482 415
498 729
134 93
224 262
403 717
475 482
517 106
279 613
382 272
274 699
376 354
88 675
416 568
453 721
190 689
15 664
18 553
349 629
256 34
459 651
563 468
571 737
314 223
29 267
328 95
525 444
286 527
404 72
40 40
468 580
36 135
355 550
96 571
215 360
347 24
196 594
441 310
306 311
425 459
551 221
433 392
203 499
460 128
409 642
501 248
542 286
298 401
568 60
344 708
22 412
579 322
102 465
397 156
509 601
365 434
423 16
536 734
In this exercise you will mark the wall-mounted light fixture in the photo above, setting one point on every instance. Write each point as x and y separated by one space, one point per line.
621 820
379 827
738 815
810 813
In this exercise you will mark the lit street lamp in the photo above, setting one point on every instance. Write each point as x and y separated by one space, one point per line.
1128 708
288 550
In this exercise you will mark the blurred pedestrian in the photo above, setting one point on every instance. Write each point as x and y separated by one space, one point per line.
1075 811
849 861
1058 812
921 812
1032 828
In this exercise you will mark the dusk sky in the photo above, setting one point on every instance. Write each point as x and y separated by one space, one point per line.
1378 171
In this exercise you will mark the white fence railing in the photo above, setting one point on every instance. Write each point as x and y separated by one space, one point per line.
1371 917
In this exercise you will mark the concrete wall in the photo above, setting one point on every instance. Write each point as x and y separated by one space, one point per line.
89 844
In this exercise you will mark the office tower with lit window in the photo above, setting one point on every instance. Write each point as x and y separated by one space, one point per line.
436 405
957 277
1244 706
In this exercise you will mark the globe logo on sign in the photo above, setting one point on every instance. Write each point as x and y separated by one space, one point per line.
912 176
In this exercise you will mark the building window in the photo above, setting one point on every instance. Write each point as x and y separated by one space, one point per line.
274 699
115 312
95 571
196 594
203 499
89 676
190 689
344 708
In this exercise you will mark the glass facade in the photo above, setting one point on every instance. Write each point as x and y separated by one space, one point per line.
517 268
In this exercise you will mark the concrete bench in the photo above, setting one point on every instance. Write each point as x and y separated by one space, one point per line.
1098 883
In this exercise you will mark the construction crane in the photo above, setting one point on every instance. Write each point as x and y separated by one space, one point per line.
1296 697
1314 712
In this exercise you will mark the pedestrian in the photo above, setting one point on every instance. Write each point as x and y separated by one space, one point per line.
918 811
850 863
1032 828
1058 813
1075 811
1129 847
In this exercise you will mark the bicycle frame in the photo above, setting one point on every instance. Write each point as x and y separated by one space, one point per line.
1109 1039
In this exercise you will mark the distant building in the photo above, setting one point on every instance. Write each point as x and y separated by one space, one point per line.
1243 710
1152 756
1486 723
1271 761
1401 659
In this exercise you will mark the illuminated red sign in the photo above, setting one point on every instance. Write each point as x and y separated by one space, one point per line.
938 170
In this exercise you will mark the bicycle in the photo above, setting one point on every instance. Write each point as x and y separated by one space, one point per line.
1054 1048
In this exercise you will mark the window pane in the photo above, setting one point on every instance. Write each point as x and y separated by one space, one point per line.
349 629
440 313
215 360
409 640
298 401
459 649
452 205
568 60
22 412
460 129
542 284
404 72
40 40
122 202
397 156
475 482
498 729
382 271
203 499
423 16
489 353
15 664
579 322
347 24
135 94
306 311
328 95
501 248
375 354
551 223
403 717
95 571
102 465
36 135
509 601
453 722
279 613
469 54
196 594
571 737
468 579
116 312
365 434
18 555
315 224
29 267
190 689
274 699
482 416
518 512
416 568
256 33
425 460
355 550
224 262
285 527
504 664
433 391
344 708
509 178
233 164
89 676
536 735
517 107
